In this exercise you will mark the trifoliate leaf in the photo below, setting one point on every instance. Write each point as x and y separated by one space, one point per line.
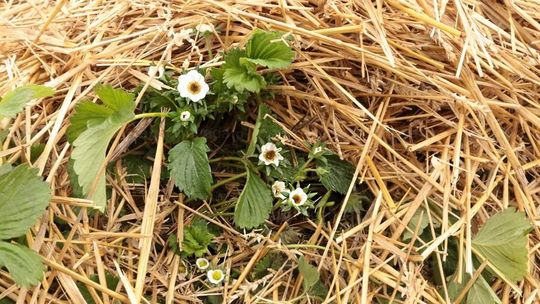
479 293
503 242
309 273
190 169
116 102
23 198
92 128
87 114
254 204
267 49
14 101
197 238
338 173
116 99
241 76
88 156
23 264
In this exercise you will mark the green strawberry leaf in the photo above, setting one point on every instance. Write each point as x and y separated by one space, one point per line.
14 101
503 242
254 204
267 49
23 264
337 175
241 76
116 102
309 273
479 293
197 238
88 156
23 198
92 128
190 169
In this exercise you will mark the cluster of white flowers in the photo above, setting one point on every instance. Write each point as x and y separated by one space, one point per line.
215 276
297 197
270 154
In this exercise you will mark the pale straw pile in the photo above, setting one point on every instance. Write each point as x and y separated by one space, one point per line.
430 100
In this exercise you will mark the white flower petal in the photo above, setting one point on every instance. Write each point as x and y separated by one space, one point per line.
185 115
184 82
278 188
202 263
215 276
298 197
203 28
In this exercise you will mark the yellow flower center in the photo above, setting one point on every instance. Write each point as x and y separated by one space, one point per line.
194 87
297 199
270 155
216 275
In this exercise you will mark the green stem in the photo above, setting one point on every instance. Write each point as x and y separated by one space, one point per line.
300 171
276 206
150 115
228 180
323 203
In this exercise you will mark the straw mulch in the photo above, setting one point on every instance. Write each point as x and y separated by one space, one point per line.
432 101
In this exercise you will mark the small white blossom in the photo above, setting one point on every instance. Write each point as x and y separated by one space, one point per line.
192 86
278 188
298 197
153 70
270 154
202 263
185 116
203 28
184 34
317 150
215 276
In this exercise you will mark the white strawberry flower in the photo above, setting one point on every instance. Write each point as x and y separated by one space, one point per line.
215 276
153 70
202 263
278 188
185 116
298 197
270 154
192 86
203 28
184 34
